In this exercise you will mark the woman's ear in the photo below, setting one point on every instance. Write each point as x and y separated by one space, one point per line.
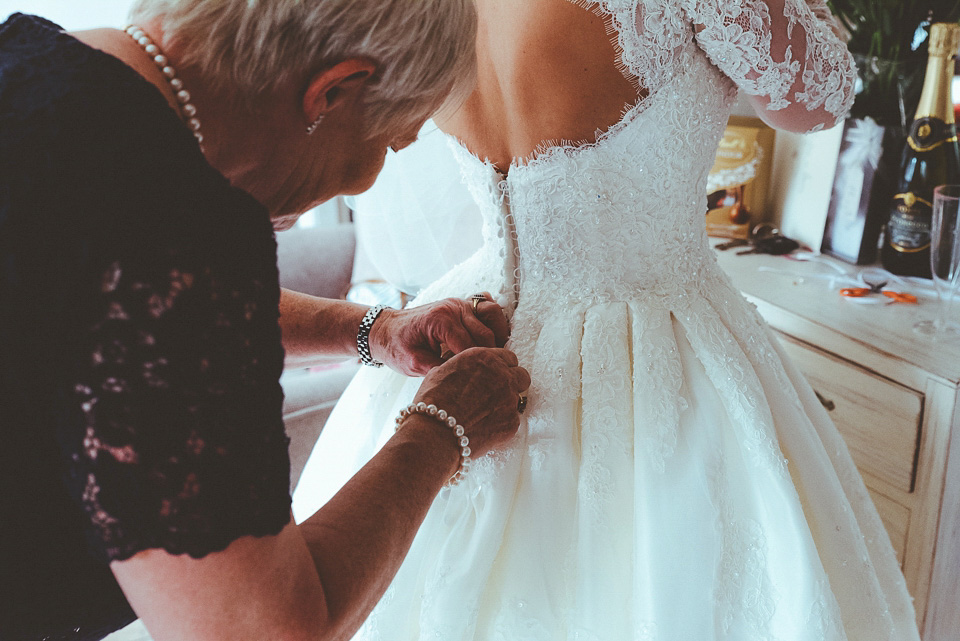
332 87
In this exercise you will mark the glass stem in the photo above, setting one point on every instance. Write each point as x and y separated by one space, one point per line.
945 292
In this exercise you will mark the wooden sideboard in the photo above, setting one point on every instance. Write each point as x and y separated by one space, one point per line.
893 394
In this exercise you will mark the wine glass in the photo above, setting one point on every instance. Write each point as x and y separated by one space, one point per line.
944 259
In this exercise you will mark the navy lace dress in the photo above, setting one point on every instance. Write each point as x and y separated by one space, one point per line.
139 342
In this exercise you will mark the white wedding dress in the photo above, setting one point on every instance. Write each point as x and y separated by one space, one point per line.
674 478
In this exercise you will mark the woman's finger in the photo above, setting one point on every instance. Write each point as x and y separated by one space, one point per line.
483 335
492 316
456 337
522 378
508 357
423 362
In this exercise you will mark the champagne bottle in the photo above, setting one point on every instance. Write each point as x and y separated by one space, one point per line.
931 157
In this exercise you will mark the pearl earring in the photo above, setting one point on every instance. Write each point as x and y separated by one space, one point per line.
313 126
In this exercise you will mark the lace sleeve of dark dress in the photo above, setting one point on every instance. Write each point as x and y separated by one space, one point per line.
139 374
181 444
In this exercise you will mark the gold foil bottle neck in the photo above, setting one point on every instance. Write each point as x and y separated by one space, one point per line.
935 99
944 39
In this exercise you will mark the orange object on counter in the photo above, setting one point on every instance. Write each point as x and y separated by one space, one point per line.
895 297
901 297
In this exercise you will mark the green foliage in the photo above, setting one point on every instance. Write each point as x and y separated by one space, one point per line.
889 38
887 28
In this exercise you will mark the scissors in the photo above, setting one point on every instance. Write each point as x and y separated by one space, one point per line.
895 297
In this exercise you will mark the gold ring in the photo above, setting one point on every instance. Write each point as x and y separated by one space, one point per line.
476 299
522 404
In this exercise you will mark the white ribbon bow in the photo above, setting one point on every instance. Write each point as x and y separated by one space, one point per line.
865 143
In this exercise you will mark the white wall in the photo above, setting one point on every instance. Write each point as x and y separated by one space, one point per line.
72 14
75 15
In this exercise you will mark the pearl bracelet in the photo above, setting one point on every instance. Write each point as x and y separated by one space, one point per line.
449 421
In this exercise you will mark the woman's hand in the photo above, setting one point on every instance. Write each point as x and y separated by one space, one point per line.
481 388
413 341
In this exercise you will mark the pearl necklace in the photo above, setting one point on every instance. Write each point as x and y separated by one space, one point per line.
187 109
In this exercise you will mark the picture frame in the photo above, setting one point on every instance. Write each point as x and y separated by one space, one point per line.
857 203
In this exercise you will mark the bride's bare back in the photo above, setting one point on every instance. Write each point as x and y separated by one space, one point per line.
548 71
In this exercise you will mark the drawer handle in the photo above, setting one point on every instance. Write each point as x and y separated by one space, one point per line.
826 402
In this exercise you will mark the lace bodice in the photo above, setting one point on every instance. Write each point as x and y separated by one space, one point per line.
623 215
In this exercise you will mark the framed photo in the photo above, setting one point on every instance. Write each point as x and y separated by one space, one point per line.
859 199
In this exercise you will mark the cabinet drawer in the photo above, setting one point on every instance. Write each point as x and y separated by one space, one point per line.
879 419
896 520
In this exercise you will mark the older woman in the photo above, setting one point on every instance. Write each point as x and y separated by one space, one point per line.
142 173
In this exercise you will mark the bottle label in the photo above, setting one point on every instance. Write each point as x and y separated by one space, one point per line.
908 230
926 134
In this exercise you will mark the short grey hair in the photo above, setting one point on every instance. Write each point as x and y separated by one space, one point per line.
424 49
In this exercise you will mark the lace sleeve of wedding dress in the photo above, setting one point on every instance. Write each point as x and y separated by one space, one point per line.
788 51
